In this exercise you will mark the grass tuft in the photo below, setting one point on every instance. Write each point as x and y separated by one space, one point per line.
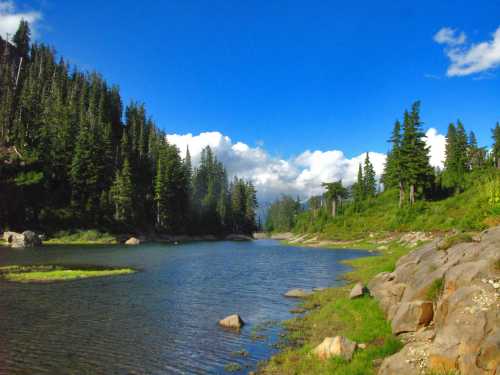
48 274
435 290
454 240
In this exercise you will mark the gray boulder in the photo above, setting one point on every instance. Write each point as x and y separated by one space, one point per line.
357 291
232 321
22 240
338 346
132 241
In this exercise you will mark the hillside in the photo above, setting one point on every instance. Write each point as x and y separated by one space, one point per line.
477 208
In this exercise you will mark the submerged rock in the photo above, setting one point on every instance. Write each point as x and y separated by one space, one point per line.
232 321
339 346
133 241
297 293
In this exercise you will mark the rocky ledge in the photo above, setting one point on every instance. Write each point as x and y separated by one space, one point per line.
445 306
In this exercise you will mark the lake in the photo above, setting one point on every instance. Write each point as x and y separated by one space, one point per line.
163 319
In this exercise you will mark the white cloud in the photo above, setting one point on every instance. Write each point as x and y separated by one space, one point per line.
450 36
301 175
437 144
473 59
10 18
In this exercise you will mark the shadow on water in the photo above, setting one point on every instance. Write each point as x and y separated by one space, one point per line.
162 320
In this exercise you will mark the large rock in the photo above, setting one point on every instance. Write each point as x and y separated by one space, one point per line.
297 293
463 318
133 241
339 346
232 321
412 316
357 291
22 240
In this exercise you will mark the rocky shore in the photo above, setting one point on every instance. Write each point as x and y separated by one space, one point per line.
444 305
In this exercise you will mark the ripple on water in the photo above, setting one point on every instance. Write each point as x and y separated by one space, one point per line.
162 320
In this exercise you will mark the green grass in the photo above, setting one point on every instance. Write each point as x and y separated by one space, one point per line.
81 237
332 313
47 274
453 240
435 290
475 209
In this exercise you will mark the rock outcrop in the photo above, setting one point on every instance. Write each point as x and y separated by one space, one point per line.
445 304
22 240
339 346
232 321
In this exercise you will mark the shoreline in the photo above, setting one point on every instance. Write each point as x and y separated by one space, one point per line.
330 310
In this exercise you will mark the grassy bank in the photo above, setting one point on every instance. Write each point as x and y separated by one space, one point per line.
475 209
81 237
332 313
47 274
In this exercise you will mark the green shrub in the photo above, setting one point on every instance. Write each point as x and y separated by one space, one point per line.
453 240
435 290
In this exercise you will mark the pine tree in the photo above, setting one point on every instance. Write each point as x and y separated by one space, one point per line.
415 167
22 38
334 194
123 194
393 173
457 161
358 188
495 152
369 181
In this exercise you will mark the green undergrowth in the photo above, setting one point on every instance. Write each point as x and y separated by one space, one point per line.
450 241
435 290
48 273
475 209
332 313
82 237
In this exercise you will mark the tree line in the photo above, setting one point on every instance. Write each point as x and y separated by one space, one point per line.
408 169
72 155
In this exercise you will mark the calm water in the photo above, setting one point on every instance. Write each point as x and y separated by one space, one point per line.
162 320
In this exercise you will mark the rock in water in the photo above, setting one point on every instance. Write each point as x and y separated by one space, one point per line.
133 241
339 346
22 240
232 321
357 291
297 293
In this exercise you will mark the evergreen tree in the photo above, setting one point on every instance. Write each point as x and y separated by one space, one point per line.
457 161
123 194
415 167
369 181
393 172
335 193
495 152
22 38
358 188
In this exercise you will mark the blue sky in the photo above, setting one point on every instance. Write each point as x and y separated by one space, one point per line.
288 75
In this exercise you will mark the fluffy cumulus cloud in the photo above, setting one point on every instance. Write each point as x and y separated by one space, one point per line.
437 147
300 175
10 18
450 36
469 59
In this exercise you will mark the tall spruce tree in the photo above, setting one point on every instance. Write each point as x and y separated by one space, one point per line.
495 152
415 167
369 179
